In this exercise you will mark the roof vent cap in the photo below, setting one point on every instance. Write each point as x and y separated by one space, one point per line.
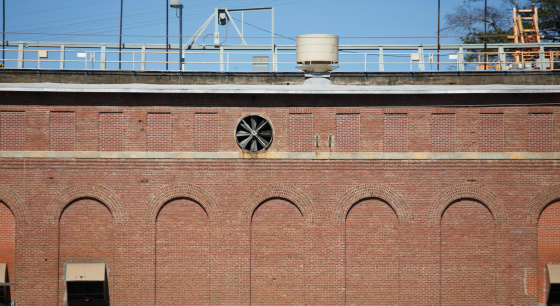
317 53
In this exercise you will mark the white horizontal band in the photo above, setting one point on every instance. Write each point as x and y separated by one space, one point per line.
283 155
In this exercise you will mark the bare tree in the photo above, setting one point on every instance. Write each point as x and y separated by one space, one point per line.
467 21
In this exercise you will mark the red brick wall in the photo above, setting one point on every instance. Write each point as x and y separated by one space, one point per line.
468 263
541 132
301 133
8 243
277 260
443 132
12 131
207 132
395 137
86 235
373 130
549 244
159 132
347 132
372 244
307 258
62 131
491 132
111 131
135 183
182 254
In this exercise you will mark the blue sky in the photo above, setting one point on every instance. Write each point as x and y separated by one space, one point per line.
350 18
355 21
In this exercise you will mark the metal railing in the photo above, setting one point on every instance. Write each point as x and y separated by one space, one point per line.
141 57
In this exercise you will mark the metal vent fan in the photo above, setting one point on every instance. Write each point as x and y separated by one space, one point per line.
253 133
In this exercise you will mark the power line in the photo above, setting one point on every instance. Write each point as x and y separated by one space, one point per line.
262 29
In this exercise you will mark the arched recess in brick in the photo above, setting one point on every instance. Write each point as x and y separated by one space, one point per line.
279 247
183 214
86 234
371 215
182 254
8 246
468 254
548 245
74 192
14 203
280 191
181 190
467 191
544 212
541 201
371 254
475 246
375 191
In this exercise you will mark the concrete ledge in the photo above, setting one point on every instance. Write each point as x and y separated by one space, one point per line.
511 77
278 89
282 155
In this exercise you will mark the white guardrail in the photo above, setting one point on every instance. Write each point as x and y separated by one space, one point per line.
278 58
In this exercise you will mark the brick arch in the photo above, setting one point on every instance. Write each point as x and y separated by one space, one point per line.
74 192
541 201
181 190
282 191
379 191
14 203
467 191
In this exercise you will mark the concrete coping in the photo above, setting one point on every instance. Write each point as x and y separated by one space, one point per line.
283 155
279 89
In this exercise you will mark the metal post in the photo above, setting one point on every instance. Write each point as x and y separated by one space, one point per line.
181 37
20 56
542 59
381 63
143 65
421 66
120 36
438 30
216 31
62 56
275 59
166 36
502 58
175 4
461 59
272 34
485 36
3 29
103 57
221 58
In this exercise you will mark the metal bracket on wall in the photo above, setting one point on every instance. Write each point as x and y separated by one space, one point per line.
317 140
330 141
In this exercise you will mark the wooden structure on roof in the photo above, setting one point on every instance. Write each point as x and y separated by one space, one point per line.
526 31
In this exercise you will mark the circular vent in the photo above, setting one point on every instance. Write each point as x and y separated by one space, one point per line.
253 133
